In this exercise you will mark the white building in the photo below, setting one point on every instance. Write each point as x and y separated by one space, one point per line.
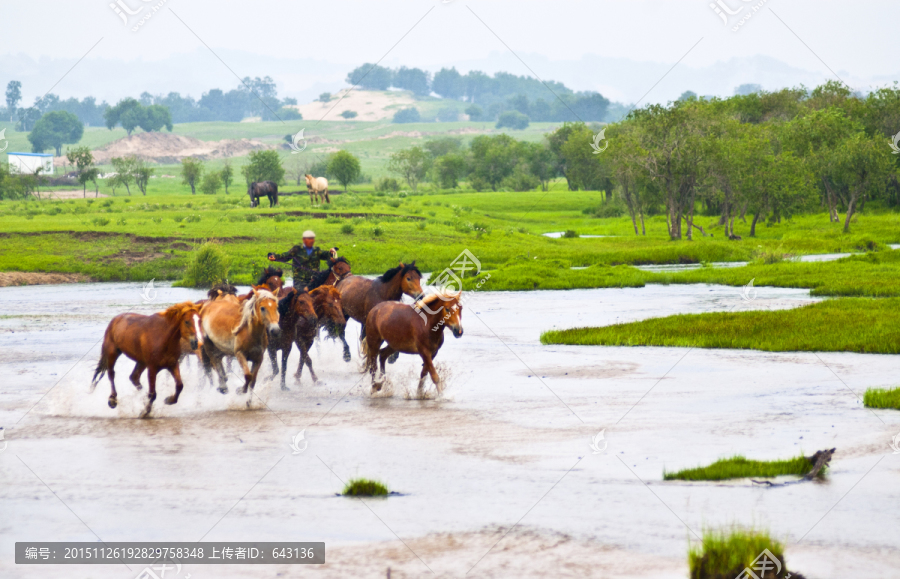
28 163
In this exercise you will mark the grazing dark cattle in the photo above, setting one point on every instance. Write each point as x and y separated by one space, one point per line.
257 189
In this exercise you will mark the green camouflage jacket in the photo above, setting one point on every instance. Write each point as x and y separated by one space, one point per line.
304 264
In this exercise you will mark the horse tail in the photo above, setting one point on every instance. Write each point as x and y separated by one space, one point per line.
99 371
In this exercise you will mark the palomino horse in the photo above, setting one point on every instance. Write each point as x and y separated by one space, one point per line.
258 189
418 330
318 188
154 342
241 330
359 295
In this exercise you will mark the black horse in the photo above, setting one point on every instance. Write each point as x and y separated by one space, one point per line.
258 189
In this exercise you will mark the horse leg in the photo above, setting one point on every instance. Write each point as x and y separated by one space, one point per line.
312 372
339 330
428 364
220 370
273 356
151 394
242 360
386 352
285 353
393 357
111 358
327 199
136 375
179 385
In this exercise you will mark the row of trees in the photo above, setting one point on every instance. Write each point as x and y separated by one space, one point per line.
759 156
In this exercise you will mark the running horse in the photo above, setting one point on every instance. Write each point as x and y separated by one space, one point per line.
337 270
154 342
271 279
241 330
359 294
412 330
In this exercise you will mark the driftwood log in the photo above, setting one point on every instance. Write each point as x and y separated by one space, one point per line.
819 461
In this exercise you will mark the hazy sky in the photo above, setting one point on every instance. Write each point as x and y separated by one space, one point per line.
854 39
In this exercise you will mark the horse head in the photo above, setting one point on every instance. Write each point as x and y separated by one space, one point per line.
341 268
453 315
266 310
328 300
411 280
304 308
251 190
309 181
185 319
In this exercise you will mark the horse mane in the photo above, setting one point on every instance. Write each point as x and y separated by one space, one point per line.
318 279
173 314
443 296
285 303
401 269
249 308
270 271
221 289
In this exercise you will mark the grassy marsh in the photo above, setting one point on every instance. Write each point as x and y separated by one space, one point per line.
740 467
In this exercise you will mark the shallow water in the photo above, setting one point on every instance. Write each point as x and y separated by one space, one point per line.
508 442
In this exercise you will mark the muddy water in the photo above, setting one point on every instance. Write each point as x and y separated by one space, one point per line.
507 443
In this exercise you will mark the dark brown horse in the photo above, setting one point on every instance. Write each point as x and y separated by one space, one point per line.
337 270
272 280
412 330
257 189
154 342
359 295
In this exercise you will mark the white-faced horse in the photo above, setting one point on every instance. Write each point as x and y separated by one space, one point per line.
318 188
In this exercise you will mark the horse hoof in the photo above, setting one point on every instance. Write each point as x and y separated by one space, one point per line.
171 400
113 402
242 390
347 356
137 386
285 388
222 390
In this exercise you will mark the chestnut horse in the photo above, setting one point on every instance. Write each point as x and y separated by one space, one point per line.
359 295
154 342
337 270
241 330
318 189
271 279
296 312
412 330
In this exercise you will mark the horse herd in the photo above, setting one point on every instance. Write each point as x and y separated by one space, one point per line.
316 186
271 317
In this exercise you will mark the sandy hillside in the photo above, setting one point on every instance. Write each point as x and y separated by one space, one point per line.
369 105
169 148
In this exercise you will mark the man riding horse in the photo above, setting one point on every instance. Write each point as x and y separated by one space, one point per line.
305 259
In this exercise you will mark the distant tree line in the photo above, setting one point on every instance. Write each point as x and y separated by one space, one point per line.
490 96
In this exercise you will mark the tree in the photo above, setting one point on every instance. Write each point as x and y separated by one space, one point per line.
124 172
13 96
27 118
345 167
227 175
263 166
324 97
475 112
407 115
83 160
513 120
448 169
584 169
349 114
492 160
155 117
413 79
862 165
449 83
54 130
191 171
211 183
142 174
128 112
411 164
371 77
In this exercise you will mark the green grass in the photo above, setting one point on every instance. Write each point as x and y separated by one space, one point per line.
861 325
740 467
725 554
361 487
882 398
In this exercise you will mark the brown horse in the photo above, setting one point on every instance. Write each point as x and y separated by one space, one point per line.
359 295
337 270
270 279
296 312
154 342
241 330
412 330
258 189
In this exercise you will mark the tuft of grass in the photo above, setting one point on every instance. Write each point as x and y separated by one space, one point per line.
570 234
740 467
346 229
725 554
882 398
362 487
863 325
377 231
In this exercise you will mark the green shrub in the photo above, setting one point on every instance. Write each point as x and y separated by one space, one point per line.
208 266
394 203
100 221
421 226
881 398
387 184
723 555
346 229
192 219
251 217
377 231
279 217
361 487
570 234
178 218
